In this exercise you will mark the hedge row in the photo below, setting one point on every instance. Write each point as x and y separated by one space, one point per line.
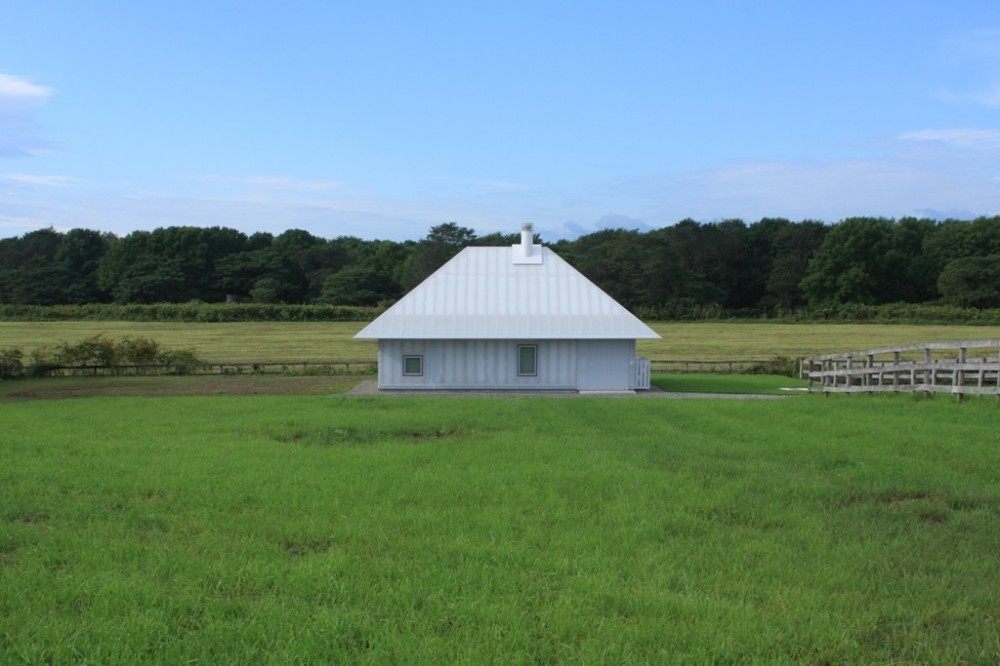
893 313
96 351
200 312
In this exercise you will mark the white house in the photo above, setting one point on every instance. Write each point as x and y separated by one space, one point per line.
516 317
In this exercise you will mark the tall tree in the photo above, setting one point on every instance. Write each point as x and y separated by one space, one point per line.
441 244
853 265
972 282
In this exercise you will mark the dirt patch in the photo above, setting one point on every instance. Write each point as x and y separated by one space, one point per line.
59 388
933 517
369 387
303 547
334 436
926 507
28 517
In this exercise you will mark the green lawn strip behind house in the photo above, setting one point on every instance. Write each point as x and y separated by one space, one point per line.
425 530
712 383
304 341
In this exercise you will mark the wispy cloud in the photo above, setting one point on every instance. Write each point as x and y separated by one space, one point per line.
481 183
17 89
40 180
983 43
20 99
962 137
978 52
939 172
988 96
269 182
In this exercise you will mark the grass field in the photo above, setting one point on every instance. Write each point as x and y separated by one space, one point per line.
274 341
428 530
716 383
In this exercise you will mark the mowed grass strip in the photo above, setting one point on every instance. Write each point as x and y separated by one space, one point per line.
305 341
717 383
428 530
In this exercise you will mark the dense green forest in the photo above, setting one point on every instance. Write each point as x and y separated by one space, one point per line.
772 265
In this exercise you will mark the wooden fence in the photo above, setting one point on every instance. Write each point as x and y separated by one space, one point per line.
969 367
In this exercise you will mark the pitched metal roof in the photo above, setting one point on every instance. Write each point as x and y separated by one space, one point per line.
483 294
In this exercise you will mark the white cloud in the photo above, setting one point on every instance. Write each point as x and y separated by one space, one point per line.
41 180
942 172
895 185
19 89
962 137
20 99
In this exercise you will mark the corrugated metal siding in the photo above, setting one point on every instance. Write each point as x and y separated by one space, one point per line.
598 365
482 294
477 364
605 365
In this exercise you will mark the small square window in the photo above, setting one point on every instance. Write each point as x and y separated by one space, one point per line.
527 360
413 366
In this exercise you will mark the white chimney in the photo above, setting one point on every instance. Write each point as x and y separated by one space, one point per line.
527 239
526 252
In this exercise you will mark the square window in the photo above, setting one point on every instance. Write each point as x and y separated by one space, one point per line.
527 360
413 366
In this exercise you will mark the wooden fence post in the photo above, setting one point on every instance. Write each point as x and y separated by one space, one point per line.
927 371
958 376
895 372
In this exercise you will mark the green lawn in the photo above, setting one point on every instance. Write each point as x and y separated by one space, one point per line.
429 530
713 383
303 341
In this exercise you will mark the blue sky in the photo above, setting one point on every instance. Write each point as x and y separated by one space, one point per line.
382 119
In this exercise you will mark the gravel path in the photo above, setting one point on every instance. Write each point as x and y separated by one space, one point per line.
370 387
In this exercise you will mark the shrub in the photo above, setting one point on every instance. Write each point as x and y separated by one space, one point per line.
11 366
190 312
139 351
780 365
177 357
105 352
96 350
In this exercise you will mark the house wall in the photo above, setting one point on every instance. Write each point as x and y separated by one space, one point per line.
604 365
492 364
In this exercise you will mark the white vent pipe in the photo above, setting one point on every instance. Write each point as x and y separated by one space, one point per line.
527 239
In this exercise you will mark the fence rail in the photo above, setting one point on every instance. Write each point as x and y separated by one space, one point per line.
884 370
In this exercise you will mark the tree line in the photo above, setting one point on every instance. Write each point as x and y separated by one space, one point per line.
772 265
